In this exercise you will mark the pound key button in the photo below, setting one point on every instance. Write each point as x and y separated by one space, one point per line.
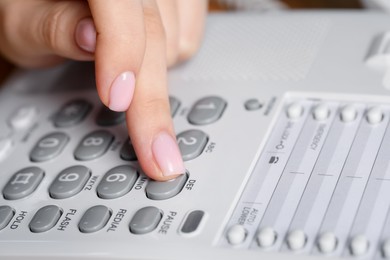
23 183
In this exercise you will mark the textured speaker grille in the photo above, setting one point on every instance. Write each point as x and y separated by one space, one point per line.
271 48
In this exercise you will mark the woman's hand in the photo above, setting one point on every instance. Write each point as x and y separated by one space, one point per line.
132 42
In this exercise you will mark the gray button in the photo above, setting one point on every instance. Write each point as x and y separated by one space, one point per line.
49 147
207 110
192 221
253 104
6 214
94 219
145 220
72 113
191 143
117 182
161 190
69 182
107 117
127 151
93 145
23 183
45 219
174 103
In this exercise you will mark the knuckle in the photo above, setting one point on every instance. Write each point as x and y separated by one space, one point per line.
51 27
154 25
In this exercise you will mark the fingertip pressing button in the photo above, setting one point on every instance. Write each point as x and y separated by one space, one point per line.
327 242
386 249
296 240
374 115
266 237
348 113
321 112
359 245
236 234
294 111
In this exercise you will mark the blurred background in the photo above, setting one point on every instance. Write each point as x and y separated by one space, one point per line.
263 6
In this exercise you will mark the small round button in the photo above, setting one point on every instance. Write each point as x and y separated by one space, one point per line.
348 113
294 111
236 234
359 245
253 104
321 112
386 249
327 242
374 115
266 237
296 240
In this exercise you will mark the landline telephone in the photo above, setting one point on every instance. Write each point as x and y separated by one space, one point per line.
284 126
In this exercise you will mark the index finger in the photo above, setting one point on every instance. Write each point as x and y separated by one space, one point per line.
120 45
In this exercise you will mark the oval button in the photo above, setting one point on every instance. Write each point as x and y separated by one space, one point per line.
207 110
145 220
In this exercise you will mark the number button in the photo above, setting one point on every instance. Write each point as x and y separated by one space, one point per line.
72 113
69 182
107 117
49 147
191 143
117 182
174 104
23 183
6 214
207 110
127 151
93 145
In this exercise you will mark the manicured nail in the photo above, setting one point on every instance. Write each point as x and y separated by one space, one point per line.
86 35
167 155
121 92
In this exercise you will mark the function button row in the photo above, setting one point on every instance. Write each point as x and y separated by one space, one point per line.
48 147
207 110
93 145
23 183
6 214
72 113
23 117
69 182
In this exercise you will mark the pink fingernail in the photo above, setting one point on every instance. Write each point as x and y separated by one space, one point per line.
86 35
167 154
122 90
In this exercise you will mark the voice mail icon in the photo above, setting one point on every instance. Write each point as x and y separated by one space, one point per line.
273 160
